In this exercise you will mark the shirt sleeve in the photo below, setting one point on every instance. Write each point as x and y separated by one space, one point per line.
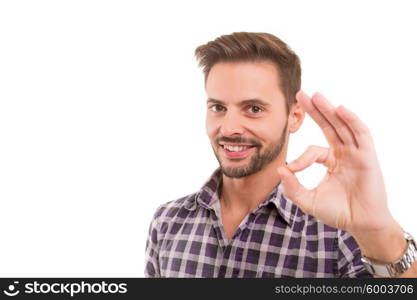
152 250
349 257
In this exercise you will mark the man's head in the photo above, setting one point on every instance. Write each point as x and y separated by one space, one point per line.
251 80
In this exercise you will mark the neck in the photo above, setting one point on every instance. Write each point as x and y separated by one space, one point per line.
242 195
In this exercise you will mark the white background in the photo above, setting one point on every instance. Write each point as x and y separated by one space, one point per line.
102 111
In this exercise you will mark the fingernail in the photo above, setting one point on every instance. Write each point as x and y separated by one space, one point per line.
345 108
302 93
292 164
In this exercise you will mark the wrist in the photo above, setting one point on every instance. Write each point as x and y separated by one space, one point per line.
385 245
404 267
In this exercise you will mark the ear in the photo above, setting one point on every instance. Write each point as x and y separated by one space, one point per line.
295 118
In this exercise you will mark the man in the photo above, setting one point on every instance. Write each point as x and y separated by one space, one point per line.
252 218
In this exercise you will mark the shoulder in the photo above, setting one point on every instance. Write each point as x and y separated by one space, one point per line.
179 208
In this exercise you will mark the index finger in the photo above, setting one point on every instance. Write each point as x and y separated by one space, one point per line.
327 128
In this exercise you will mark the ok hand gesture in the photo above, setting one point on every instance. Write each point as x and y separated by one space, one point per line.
352 194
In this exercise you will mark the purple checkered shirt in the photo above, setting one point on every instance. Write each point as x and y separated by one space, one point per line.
187 239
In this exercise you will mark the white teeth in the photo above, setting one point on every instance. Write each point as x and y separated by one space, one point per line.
235 148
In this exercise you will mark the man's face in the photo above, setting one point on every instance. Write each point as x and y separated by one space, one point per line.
246 119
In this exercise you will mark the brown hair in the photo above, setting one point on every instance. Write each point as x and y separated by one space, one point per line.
254 46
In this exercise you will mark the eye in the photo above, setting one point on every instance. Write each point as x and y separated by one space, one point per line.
217 107
255 109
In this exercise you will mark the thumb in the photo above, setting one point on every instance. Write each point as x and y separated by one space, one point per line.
295 191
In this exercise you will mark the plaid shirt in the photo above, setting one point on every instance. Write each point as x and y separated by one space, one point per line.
187 239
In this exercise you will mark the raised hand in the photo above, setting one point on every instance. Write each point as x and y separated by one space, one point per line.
352 194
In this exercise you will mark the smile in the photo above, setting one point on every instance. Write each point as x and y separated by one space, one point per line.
237 151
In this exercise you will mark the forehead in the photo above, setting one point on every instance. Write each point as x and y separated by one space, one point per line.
229 81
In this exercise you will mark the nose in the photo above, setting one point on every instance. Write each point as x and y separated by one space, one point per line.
231 124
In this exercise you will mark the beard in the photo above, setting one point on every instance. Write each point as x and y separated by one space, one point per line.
258 160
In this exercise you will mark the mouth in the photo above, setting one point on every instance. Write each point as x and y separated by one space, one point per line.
235 151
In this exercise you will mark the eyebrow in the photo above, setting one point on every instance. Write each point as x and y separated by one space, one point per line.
242 103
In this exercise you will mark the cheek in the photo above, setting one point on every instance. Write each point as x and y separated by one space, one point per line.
268 132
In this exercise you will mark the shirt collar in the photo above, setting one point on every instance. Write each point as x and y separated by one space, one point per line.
207 196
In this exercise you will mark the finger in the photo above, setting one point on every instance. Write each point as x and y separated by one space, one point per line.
329 112
359 129
325 125
296 192
311 155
